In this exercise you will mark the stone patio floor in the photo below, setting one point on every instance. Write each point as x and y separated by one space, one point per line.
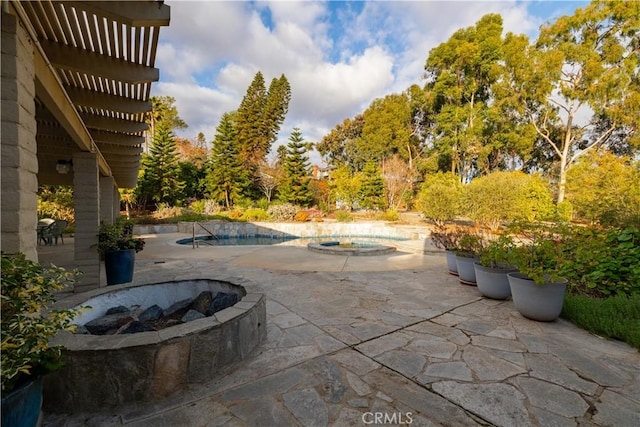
387 340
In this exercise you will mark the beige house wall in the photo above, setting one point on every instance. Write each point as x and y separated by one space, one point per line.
18 141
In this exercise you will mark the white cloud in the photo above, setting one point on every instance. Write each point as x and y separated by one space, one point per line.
338 57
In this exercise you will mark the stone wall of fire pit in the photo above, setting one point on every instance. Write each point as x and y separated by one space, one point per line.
104 372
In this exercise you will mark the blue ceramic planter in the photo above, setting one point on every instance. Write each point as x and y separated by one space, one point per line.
119 266
21 407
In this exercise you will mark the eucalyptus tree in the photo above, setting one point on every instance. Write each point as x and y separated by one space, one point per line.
227 177
578 85
333 146
460 73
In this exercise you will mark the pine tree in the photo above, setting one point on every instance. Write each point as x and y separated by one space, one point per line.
227 177
160 180
275 110
295 187
250 134
372 190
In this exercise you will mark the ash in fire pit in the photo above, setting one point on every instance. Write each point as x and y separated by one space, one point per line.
130 320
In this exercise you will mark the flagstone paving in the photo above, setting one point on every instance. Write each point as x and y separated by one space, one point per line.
407 345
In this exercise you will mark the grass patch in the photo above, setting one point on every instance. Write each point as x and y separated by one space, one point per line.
614 317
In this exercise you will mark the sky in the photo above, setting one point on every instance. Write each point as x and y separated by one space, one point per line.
337 55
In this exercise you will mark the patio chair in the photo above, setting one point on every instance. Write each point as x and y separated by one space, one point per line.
44 231
57 228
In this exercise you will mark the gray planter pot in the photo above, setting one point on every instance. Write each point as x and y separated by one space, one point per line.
493 282
466 272
537 302
451 262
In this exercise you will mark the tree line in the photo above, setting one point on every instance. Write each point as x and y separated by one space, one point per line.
490 102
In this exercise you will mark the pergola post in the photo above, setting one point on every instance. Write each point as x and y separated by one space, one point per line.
18 141
107 185
86 195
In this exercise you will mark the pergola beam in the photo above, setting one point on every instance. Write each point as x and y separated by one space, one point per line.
53 96
132 13
119 149
93 121
102 101
95 64
116 138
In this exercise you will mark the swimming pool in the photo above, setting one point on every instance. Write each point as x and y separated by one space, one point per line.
265 240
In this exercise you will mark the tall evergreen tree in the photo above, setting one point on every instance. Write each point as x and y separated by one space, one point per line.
248 122
275 110
259 117
227 177
295 186
372 190
160 177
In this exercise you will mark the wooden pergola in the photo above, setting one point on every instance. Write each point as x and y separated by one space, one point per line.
94 66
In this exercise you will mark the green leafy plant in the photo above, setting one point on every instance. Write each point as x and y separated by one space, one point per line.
602 263
496 252
255 214
439 199
344 216
117 237
540 253
27 291
470 243
507 196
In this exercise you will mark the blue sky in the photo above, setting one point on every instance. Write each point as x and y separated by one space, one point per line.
338 56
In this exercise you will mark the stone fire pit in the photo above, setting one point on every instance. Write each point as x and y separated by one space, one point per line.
103 372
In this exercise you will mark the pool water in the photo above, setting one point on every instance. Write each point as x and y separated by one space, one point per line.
237 240
264 240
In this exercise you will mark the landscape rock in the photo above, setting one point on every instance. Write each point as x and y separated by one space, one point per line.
135 327
221 301
178 309
118 309
152 313
103 324
203 302
192 315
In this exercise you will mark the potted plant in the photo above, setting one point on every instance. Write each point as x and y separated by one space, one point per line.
493 266
447 239
118 247
27 325
539 286
470 244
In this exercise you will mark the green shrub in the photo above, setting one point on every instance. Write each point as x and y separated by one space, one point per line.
283 212
389 215
344 216
255 214
604 188
507 196
603 262
56 201
27 292
614 317
166 211
439 199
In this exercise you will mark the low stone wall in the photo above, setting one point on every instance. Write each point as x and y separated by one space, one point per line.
103 372
155 228
302 229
